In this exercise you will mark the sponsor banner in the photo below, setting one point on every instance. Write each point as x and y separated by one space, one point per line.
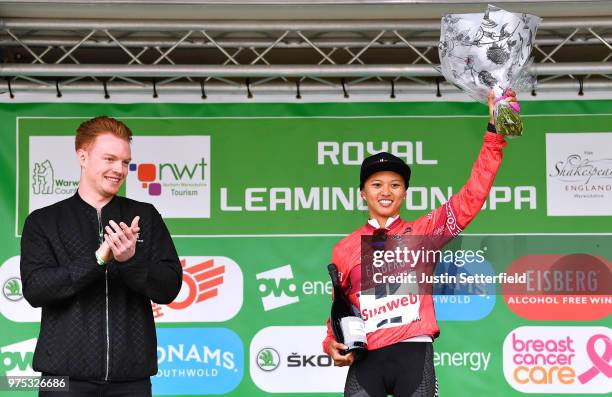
277 288
579 174
212 290
573 287
310 179
291 360
560 360
477 361
463 301
172 173
16 359
53 170
193 361
12 304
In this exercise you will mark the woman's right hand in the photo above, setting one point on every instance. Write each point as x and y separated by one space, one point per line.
341 360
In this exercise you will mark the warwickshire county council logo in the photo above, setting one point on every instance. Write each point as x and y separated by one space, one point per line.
277 287
42 178
53 172
268 359
173 173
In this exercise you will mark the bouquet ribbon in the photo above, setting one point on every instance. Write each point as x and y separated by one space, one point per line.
514 105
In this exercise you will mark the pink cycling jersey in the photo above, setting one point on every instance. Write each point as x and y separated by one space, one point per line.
447 221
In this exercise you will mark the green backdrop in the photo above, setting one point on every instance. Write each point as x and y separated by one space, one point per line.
267 146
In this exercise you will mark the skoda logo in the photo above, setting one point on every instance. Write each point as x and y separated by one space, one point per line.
268 359
12 289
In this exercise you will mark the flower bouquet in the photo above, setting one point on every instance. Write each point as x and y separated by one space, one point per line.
490 51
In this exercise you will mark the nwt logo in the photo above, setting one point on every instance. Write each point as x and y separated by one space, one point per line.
151 175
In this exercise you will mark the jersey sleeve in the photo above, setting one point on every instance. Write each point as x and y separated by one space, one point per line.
452 217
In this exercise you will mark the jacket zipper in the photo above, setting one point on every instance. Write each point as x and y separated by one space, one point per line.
100 235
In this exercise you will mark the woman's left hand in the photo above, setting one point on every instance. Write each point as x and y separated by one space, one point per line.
510 97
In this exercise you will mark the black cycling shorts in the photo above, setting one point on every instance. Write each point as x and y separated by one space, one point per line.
403 369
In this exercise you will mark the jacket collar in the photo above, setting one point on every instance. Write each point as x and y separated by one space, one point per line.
111 205
371 228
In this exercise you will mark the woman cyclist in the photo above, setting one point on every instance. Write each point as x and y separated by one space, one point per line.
399 360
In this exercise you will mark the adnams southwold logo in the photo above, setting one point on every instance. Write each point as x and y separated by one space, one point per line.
290 360
173 173
16 359
559 360
212 290
12 304
579 174
53 170
198 360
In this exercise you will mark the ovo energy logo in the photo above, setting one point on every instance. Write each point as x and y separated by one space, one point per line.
559 359
16 359
277 287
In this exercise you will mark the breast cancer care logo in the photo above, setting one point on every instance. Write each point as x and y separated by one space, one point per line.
600 363
559 360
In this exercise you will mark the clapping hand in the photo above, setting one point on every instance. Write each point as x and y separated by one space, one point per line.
119 241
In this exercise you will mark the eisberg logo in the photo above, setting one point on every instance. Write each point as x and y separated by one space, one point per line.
149 173
277 287
212 290
568 287
291 368
194 359
559 359
16 359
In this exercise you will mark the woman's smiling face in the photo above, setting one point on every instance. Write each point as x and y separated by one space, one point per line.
384 192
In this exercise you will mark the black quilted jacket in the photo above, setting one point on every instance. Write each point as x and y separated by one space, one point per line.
97 323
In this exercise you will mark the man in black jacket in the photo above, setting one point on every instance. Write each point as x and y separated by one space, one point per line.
95 277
